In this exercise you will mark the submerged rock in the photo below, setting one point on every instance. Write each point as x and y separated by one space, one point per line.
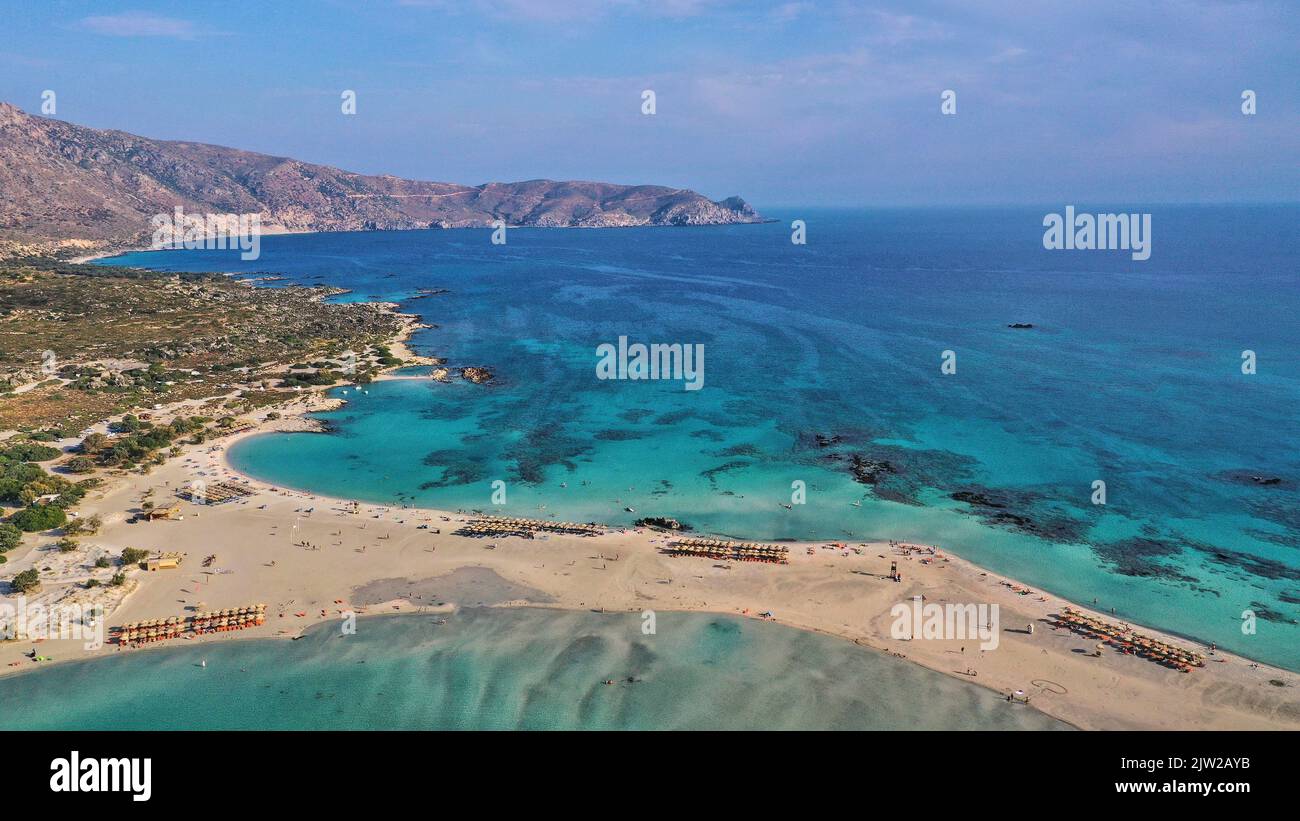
477 375
1245 476
871 471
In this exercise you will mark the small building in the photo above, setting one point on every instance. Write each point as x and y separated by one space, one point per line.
173 512
165 561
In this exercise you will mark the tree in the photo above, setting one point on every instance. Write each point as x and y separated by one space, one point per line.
118 579
94 443
29 452
26 581
68 544
10 536
102 561
134 555
80 464
129 424
39 517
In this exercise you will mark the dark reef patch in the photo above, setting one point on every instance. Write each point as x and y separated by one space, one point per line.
893 472
1139 556
807 439
464 472
540 448
707 433
1263 611
444 412
446 456
738 450
618 435
635 415
1008 508
1254 565
1282 510
712 473
674 417
1254 478
891 495
871 471
1281 539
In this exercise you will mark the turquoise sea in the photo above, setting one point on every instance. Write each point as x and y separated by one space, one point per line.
501 669
826 355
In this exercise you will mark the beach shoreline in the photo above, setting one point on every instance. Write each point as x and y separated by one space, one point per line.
309 573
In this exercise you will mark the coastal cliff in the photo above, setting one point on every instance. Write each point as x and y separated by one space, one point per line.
60 181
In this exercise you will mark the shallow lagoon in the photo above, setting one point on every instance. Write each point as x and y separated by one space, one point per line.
497 669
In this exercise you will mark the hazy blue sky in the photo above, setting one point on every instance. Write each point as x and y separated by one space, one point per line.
816 102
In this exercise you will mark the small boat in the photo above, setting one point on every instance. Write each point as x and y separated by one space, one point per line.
630 509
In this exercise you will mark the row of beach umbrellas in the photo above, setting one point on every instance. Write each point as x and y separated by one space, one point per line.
718 548
1128 640
539 524
156 629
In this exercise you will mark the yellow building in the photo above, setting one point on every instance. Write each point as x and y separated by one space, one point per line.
166 561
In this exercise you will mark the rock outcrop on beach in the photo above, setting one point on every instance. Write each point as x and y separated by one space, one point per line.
661 523
60 181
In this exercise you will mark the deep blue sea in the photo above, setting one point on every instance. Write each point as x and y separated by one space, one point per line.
1131 376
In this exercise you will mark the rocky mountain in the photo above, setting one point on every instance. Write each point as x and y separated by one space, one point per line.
60 181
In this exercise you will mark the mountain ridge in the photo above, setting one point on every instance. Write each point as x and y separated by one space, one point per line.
60 181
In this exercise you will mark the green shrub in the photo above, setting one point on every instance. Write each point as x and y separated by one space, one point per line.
38 517
80 464
26 581
28 452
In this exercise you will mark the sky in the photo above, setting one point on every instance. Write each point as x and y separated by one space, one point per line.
808 103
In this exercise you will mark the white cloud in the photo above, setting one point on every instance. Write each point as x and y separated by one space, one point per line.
141 24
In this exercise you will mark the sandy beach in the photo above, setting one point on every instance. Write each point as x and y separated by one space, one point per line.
312 559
